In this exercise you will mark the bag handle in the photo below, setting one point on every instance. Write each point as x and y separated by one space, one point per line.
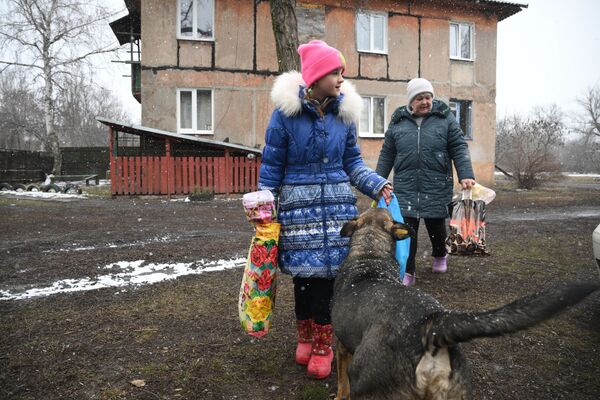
468 192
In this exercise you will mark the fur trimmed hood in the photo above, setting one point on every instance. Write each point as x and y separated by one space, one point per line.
285 95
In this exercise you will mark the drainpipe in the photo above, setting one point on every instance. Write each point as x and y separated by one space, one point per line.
112 157
228 168
168 155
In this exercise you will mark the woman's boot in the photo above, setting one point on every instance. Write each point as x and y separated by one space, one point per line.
319 366
439 265
305 341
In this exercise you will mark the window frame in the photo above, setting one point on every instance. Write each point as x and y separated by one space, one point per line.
194 130
458 107
471 40
369 133
195 23
371 49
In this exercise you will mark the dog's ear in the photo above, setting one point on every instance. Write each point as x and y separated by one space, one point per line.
349 228
402 231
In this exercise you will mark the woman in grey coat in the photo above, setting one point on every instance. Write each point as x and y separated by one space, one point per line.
422 141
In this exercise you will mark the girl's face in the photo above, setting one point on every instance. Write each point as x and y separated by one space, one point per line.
329 85
422 103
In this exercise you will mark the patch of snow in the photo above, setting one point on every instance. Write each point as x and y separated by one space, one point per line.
575 174
43 195
131 273
163 239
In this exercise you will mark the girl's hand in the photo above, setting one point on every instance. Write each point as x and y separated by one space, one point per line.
467 183
386 192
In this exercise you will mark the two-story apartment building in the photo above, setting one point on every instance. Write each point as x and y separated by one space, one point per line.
207 66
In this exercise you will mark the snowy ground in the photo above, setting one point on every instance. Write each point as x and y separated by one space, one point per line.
42 195
126 273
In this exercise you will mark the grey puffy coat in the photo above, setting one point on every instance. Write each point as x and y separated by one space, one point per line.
421 158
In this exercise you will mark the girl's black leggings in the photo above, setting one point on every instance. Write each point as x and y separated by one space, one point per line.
436 228
312 299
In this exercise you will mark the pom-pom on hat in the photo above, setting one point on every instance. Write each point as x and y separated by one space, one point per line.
417 86
318 59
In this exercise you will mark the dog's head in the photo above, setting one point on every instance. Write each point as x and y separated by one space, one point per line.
377 219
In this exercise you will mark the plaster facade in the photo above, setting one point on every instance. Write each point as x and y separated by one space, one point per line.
240 64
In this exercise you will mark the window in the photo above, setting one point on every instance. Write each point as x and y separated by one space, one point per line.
194 111
372 119
461 41
462 111
196 19
371 32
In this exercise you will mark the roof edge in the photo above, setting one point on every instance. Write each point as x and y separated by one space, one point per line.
140 130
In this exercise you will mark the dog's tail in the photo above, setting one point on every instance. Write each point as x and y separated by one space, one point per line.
447 327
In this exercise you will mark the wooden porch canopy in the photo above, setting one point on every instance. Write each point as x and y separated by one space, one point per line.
166 163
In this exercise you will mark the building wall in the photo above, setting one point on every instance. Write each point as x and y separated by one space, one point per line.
241 74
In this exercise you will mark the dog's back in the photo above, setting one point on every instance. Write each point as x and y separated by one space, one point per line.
404 344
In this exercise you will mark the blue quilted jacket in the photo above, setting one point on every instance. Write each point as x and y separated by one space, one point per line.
309 163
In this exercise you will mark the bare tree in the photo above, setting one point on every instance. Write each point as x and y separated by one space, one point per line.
21 117
528 147
52 38
581 155
78 102
285 29
590 122
586 149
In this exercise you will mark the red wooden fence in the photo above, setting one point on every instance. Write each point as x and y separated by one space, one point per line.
183 175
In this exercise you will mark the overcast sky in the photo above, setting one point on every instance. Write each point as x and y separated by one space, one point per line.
547 53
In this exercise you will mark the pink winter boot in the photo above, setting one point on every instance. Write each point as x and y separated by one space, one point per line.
305 340
439 265
408 280
319 366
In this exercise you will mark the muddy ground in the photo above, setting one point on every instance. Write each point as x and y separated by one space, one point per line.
182 337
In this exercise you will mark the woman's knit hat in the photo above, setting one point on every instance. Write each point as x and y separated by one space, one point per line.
417 86
318 59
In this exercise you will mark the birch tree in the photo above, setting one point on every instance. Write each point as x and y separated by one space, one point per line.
51 38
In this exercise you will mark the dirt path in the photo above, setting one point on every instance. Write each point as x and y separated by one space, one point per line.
182 336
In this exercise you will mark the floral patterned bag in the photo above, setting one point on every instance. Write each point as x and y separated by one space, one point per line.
259 282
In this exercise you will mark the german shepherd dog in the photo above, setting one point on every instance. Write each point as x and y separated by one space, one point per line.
397 342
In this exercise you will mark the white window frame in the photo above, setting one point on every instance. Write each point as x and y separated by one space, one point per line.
456 105
371 48
369 133
194 23
194 130
460 26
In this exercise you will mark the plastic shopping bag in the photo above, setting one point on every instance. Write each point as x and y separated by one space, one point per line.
479 192
259 282
467 227
402 246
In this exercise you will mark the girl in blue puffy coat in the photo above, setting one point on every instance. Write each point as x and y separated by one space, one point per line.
310 160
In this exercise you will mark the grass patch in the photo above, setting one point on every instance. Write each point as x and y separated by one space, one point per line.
152 371
112 394
314 391
97 191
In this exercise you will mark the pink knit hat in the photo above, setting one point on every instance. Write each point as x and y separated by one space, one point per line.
318 59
